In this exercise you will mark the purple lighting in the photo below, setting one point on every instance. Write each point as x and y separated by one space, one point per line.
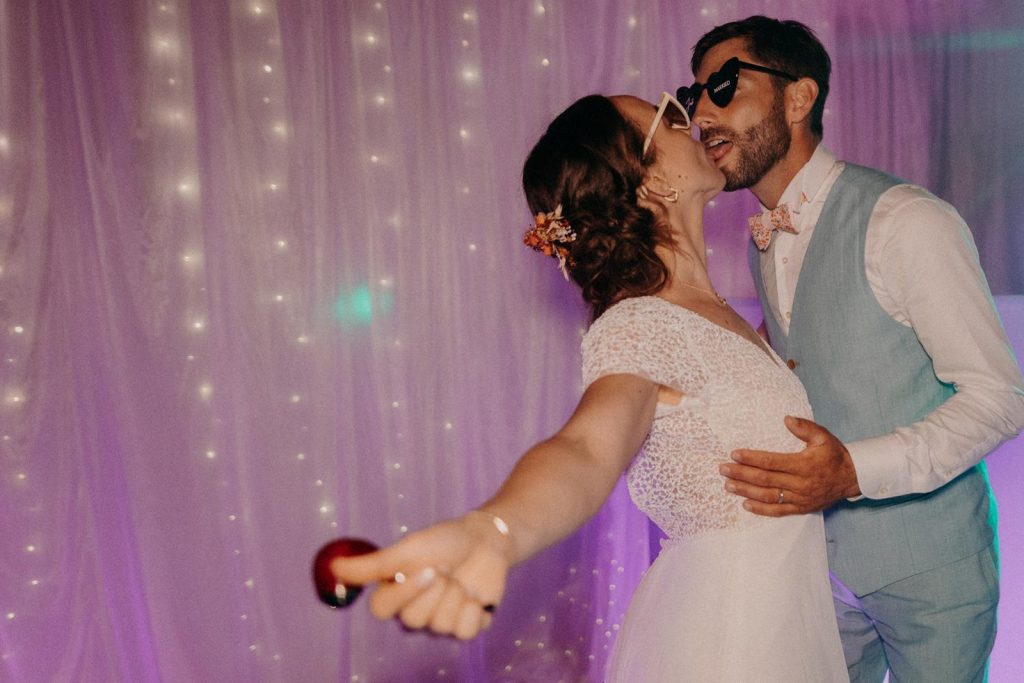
199 201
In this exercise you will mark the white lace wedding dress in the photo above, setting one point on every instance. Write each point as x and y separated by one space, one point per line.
732 597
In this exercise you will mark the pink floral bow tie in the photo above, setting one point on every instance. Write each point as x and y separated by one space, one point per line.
763 224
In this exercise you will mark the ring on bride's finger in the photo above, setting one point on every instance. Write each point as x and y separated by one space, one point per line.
488 607
782 497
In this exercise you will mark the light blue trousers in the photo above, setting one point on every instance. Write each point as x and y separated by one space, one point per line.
939 625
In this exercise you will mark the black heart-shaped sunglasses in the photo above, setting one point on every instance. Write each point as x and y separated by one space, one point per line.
721 85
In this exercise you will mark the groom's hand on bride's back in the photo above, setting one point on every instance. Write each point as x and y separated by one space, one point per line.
778 484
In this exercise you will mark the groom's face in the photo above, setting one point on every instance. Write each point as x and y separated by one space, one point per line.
749 136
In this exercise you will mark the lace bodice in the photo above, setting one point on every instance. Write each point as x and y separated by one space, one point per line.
735 395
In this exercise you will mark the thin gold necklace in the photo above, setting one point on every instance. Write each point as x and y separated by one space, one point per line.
718 297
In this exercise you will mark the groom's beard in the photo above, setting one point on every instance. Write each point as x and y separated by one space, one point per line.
759 148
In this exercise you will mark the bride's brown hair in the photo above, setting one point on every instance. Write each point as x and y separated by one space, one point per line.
590 160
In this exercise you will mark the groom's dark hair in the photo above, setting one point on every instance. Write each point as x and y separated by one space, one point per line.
788 46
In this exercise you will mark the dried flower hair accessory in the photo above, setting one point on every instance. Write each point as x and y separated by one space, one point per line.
549 235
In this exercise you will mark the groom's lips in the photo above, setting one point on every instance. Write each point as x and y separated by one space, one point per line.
716 147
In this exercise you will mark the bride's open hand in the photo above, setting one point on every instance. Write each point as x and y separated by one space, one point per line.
447 578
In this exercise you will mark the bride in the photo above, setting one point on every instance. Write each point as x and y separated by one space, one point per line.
675 379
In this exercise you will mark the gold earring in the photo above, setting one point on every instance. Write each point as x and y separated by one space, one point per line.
672 196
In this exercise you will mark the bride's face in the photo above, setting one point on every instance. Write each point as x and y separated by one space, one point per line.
679 158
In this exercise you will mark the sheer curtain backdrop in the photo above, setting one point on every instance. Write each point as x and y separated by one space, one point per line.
262 284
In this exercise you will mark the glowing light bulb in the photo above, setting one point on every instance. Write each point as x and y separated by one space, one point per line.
267 68
205 390
187 188
191 260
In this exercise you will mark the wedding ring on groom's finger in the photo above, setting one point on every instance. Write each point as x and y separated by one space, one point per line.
782 497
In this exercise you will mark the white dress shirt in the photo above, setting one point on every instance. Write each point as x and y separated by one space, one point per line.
922 266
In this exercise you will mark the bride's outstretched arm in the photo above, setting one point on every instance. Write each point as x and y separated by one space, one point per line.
452 574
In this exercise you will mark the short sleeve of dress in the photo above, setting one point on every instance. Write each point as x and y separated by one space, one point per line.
643 336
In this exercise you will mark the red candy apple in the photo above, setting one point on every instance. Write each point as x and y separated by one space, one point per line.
332 592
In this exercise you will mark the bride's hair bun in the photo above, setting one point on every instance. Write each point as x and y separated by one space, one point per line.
590 161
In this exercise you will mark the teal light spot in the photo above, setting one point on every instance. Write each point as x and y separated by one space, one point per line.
359 306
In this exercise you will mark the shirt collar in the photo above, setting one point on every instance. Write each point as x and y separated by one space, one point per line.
808 180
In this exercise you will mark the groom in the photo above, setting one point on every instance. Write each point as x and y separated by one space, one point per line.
872 291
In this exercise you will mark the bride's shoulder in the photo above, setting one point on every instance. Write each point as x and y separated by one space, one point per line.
638 313
643 306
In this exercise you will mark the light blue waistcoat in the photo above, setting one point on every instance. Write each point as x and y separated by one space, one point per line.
865 375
